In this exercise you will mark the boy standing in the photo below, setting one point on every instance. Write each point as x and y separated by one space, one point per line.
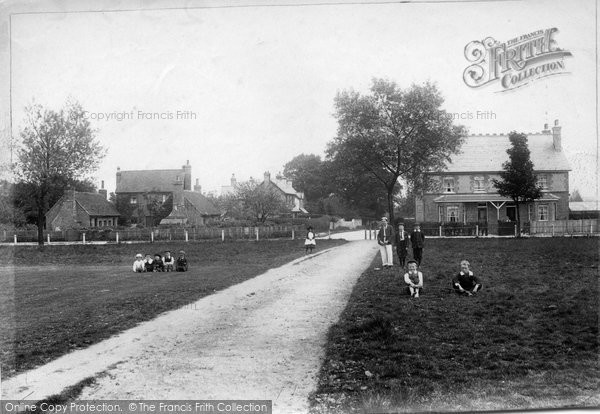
417 240
401 242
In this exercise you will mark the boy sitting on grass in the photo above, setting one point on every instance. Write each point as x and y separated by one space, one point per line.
148 264
182 263
139 264
169 262
158 263
466 283
413 279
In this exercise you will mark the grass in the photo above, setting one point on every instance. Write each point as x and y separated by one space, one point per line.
61 298
528 340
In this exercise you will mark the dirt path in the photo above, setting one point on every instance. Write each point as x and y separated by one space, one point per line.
261 339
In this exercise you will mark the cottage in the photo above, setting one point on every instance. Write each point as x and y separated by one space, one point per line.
78 209
464 192
294 200
146 193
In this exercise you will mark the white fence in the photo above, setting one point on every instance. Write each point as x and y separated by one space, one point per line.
565 227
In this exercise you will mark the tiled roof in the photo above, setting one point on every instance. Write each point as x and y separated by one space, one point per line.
584 206
204 206
142 181
285 186
95 204
481 153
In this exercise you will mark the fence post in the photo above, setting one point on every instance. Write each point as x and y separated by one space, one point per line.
329 235
15 239
440 231
256 229
293 233
477 230
83 237
515 230
186 236
222 235
4 232
117 238
591 229
152 236
48 238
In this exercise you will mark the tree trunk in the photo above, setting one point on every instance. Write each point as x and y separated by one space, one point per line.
390 201
41 216
518 219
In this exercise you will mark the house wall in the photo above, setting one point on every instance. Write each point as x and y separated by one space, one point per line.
69 215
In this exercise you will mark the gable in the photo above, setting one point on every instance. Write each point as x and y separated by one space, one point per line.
202 204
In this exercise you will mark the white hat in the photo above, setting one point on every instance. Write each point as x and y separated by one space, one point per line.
384 218
139 255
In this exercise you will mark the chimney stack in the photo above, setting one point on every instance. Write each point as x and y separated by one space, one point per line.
187 176
556 138
197 186
267 176
233 181
546 130
103 191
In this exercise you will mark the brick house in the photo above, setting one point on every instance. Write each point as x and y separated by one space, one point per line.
77 209
464 192
145 192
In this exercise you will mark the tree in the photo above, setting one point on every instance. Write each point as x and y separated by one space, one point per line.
307 173
394 134
57 147
575 196
258 200
518 180
24 196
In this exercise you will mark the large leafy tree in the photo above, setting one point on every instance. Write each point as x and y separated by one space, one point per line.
394 134
308 174
259 200
518 180
56 147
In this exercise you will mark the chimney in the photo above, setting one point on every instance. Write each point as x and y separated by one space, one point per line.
187 176
233 181
197 187
546 130
267 176
178 193
103 191
118 178
556 139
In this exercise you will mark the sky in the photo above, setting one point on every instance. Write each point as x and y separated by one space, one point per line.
255 86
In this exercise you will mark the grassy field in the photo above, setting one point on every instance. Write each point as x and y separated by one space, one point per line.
63 298
528 340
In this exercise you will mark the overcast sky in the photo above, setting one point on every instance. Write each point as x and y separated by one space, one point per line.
261 80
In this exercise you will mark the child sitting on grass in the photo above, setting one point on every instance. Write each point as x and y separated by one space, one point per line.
466 283
182 263
169 262
139 264
159 266
413 279
148 264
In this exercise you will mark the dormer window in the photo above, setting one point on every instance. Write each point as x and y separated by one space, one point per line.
448 185
133 200
542 182
479 185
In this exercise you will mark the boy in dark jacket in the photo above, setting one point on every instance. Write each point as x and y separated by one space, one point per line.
181 262
466 283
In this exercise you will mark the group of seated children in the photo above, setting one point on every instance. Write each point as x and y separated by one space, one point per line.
166 263
464 283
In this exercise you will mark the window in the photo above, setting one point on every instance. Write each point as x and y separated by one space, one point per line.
542 181
479 184
452 214
543 212
133 200
448 186
441 213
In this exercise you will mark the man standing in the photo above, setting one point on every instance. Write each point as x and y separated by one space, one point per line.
417 240
384 239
